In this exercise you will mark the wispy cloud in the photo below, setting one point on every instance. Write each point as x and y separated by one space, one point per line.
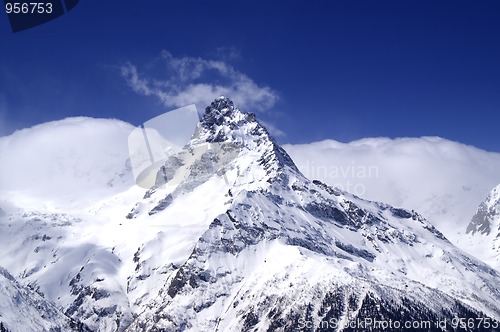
228 53
194 80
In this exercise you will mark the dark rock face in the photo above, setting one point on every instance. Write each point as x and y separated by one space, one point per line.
401 213
327 211
3 328
363 253
222 112
221 106
162 205
480 222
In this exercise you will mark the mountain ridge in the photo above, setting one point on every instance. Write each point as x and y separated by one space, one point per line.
233 236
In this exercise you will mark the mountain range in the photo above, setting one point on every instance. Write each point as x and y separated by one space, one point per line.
231 237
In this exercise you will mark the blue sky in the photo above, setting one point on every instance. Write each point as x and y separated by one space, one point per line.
313 70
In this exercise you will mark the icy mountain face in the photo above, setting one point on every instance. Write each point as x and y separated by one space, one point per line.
487 218
56 256
22 309
484 228
286 251
234 238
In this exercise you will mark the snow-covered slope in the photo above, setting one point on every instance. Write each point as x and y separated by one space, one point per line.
445 181
483 232
233 237
51 176
22 309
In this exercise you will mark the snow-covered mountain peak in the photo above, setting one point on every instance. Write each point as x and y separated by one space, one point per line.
221 105
222 111
223 122
483 230
228 143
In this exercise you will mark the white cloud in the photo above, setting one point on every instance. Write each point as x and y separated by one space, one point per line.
194 80
68 162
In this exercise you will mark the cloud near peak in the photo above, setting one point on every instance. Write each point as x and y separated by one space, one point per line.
194 80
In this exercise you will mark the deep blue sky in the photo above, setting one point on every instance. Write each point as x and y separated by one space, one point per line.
342 69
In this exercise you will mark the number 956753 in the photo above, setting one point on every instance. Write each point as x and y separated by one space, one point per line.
28 8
